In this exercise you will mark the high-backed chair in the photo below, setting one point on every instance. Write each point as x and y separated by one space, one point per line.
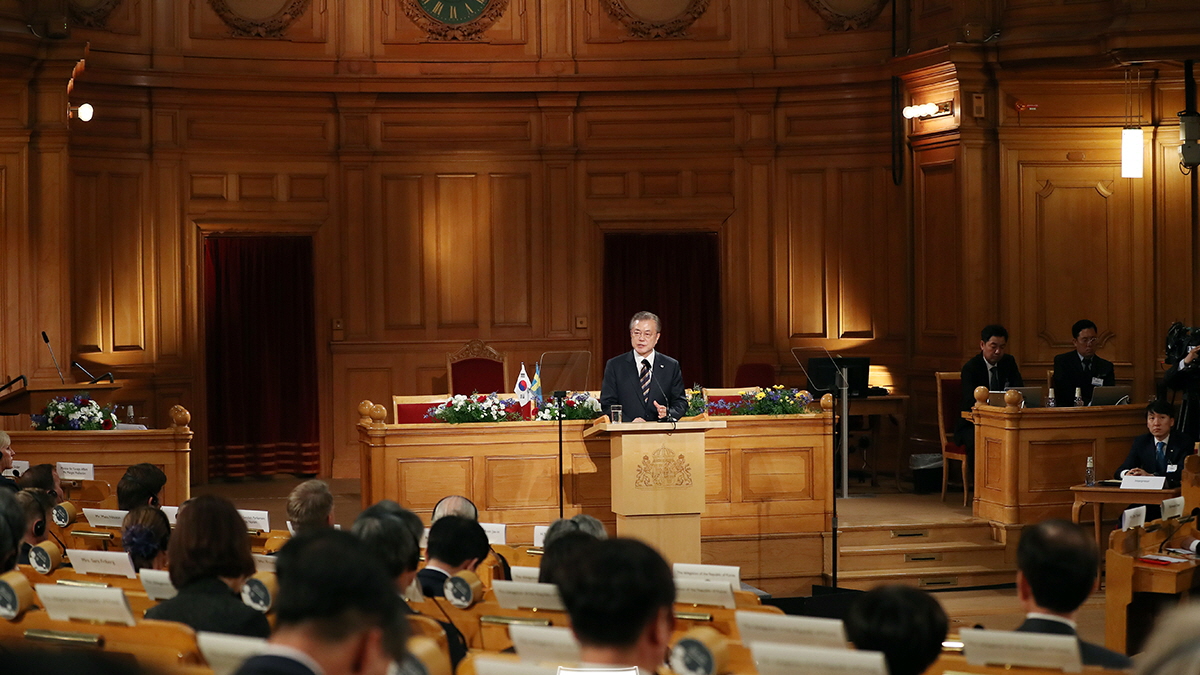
476 368
413 409
949 397
754 375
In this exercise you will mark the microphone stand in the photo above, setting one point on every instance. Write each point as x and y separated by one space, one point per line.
562 495
843 375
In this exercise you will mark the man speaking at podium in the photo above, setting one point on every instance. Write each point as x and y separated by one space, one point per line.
646 384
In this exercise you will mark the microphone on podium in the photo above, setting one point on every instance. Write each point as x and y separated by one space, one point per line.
46 339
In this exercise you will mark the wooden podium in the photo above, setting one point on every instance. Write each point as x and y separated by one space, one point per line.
658 483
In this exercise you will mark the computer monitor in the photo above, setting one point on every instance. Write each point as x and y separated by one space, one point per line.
1111 395
823 375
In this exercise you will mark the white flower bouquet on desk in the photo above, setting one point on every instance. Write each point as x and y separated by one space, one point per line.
578 406
74 413
462 409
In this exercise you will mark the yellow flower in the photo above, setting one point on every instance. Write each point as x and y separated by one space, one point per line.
760 394
799 394
689 393
779 386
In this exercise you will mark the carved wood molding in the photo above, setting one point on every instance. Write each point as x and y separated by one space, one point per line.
94 15
655 30
847 14
476 349
272 26
463 32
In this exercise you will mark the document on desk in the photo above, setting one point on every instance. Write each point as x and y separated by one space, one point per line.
1143 482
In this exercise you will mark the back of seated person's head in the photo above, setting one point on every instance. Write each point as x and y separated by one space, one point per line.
1172 647
43 477
310 506
12 529
146 535
558 554
1059 562
35 506
74 661
210 540
578 523
456 541
454 505
617 589
387 536
141 484
906 624
332 589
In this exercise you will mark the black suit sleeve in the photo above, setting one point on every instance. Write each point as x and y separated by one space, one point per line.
1014 375
970 381
1132 460
608 390
676 401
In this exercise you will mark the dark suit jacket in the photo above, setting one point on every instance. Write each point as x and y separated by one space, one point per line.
1090 654
454 638
623 387
1187 381
208 604
1068 374
975 374
433 582
6 482
1143 455
272 664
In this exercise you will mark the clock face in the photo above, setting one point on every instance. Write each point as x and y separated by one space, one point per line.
454 12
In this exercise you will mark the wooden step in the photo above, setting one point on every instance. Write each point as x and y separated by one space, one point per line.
909 535
926 555
929 578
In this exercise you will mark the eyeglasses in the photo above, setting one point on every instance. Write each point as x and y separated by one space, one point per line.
1088 340
642 333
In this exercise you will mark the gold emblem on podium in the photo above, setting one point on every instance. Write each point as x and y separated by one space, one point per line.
663 470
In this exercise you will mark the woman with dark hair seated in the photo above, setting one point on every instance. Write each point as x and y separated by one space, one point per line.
145 534
209 558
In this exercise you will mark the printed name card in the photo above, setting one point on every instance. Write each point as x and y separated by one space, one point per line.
1143 482
777 659
1010 648
225 653
497 533
20 466
539 535
494 665
157 584
102 562
76 471
522 595
1172 508
1135 517
106 605
263 562
727 573
526 574
698 592
792 630
170 512
105 517
256 520
544 643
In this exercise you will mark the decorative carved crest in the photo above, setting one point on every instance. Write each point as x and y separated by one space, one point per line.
847 14
463 32
663 471
272 26
91 14
639 27
476 349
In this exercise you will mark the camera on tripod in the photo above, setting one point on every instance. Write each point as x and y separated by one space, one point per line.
1180 340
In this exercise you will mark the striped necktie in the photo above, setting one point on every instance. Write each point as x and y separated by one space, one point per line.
645 378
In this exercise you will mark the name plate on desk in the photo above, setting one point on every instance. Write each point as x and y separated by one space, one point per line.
106 605
256 520
544 643
539 535
263 562
698 592
491 665
1172 508
105 517
776 659
730 574
75 471
497 533
19 468
102 562
522 595
1010 648
1143 482
792 630
170 512
528 575
1135 517
157 584
225 653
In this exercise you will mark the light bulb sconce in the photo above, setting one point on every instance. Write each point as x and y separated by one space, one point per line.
927 111
81 112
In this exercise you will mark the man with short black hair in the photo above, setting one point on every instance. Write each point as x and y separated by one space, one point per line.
993 368
310 506
905 623
43 477
12 529
141 484
1057 567
1161 451
337 611
621 598
646 383
455 544
1080 368
35 505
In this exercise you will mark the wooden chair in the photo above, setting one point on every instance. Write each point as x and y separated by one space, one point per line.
476 368
413 409
754 375
158 645
949 397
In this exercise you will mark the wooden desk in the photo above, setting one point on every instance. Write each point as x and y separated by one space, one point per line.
1099 495
1126 575
894 407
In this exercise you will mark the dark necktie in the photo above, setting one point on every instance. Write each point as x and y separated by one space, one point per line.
1087 366
1161 448
645 378
994 379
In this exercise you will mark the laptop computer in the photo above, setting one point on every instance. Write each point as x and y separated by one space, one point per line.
1033 397
1115 395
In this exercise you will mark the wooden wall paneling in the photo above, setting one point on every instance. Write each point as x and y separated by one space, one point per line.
761 284
307 37
561 261
858 255
711 36
937 255
16 275
169 330
126 28
1175 278
460 245
515 298
403 230
295 126
807 205
361 245
802 36
556 36
132 256
508 46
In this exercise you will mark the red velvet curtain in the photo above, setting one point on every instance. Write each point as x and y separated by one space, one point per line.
676 276
261 356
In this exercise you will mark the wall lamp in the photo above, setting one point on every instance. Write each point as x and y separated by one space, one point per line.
82 112
927 111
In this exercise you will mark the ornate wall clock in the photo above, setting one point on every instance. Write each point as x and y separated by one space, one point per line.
454 19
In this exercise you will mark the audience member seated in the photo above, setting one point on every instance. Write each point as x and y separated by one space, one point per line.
1080 368
12 530
991 368
73 661
35 505
209 559
1172 647
1057 568
310 506
620 598
1160 452
6 461
578 523
336 612
455 544
145 535
906 624
141 484
43 477
564 537
385 534
454 505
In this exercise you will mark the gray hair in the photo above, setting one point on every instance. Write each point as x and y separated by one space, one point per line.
646 316
578 523
454 505
1172 646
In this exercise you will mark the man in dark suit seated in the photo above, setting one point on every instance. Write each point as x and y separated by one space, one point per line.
337 611
455 544
648 385
1158 453
907 624
1081 369
1057 568
991 368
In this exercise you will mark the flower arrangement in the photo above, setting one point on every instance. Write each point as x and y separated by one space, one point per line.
460 409
776 400
74 413
695 401
578 406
